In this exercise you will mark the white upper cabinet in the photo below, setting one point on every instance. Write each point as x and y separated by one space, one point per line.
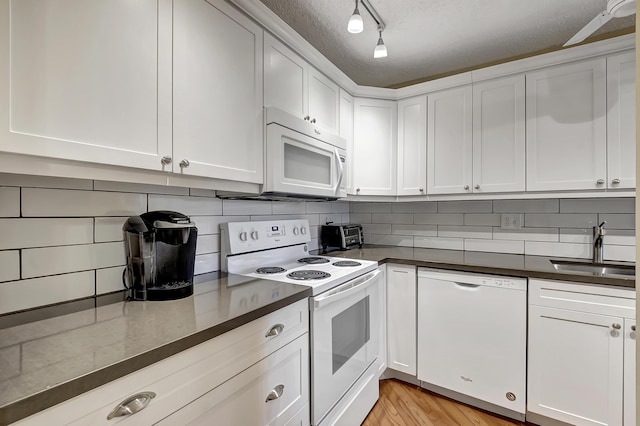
566 127
217 92
324 101
285 78
621 120
499 135
87 80
346 131
412 146
449 141
293 85
374 146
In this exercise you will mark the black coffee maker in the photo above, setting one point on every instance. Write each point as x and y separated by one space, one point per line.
160 248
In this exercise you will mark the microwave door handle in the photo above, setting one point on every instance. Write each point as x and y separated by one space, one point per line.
342 293
336 190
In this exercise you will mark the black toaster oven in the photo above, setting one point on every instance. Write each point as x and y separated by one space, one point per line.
341 237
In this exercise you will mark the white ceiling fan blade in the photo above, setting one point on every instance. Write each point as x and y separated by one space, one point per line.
590 28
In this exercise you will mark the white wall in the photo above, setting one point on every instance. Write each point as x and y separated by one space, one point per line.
61 239
552 227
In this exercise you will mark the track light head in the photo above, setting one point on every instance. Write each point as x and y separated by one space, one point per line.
356 25
381 50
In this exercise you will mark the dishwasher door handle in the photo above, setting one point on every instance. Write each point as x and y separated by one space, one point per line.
466 285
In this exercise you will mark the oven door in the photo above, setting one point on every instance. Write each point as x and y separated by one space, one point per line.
345 325
300 164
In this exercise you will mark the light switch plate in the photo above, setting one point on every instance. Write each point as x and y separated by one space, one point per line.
511 220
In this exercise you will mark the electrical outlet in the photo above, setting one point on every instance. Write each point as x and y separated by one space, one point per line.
511 221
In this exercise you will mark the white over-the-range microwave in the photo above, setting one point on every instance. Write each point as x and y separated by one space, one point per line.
302 161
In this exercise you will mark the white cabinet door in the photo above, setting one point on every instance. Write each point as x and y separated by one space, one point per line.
629 372
268 393
324 101
346 131
285 78
449 141
575 370
217 92
383 322
401 318
498 135
412 146
621 120
566 127
374 146
87 80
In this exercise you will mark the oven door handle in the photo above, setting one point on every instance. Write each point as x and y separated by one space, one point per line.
336 190
345 290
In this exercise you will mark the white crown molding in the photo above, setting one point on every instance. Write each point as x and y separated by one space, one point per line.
280 29
576 53
434 85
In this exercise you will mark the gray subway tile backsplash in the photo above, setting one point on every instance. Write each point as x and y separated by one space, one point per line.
62 238
552 227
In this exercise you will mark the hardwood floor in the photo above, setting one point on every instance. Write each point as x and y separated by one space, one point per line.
402 404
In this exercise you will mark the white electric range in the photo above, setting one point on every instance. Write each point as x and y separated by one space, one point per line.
345 311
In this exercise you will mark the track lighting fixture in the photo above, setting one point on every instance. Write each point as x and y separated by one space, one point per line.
356 25
355 22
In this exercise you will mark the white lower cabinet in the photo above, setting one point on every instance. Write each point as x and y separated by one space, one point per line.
383 323
229 377
267 393
401 318
577 354
629 391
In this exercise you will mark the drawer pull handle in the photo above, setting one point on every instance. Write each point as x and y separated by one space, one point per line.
275 330
633 328
275 393
132 405
616 326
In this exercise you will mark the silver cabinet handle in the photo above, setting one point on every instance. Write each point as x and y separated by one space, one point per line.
275 393
166 160
421 189
600 181
316 130
616 181
633 328
184 163
306 117
357 189
275 330
313 120
477 187
132 405
616 326
466 187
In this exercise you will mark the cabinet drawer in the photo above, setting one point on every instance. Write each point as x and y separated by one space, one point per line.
268 393
584 298
184 377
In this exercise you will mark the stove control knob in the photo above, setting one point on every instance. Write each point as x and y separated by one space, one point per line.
296 231
303 230
254 235
243 236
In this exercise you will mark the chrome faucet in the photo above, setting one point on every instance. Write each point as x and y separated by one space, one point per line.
598 242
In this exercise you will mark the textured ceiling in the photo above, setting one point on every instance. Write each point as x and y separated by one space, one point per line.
427 38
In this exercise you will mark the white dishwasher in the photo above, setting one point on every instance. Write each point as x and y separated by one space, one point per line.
472 336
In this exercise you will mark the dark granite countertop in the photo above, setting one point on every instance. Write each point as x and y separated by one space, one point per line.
485 263
47 361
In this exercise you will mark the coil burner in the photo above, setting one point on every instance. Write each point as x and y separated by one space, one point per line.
313 260
308 275
270 270
346 263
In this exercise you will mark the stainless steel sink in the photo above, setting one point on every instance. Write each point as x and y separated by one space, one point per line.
594 268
